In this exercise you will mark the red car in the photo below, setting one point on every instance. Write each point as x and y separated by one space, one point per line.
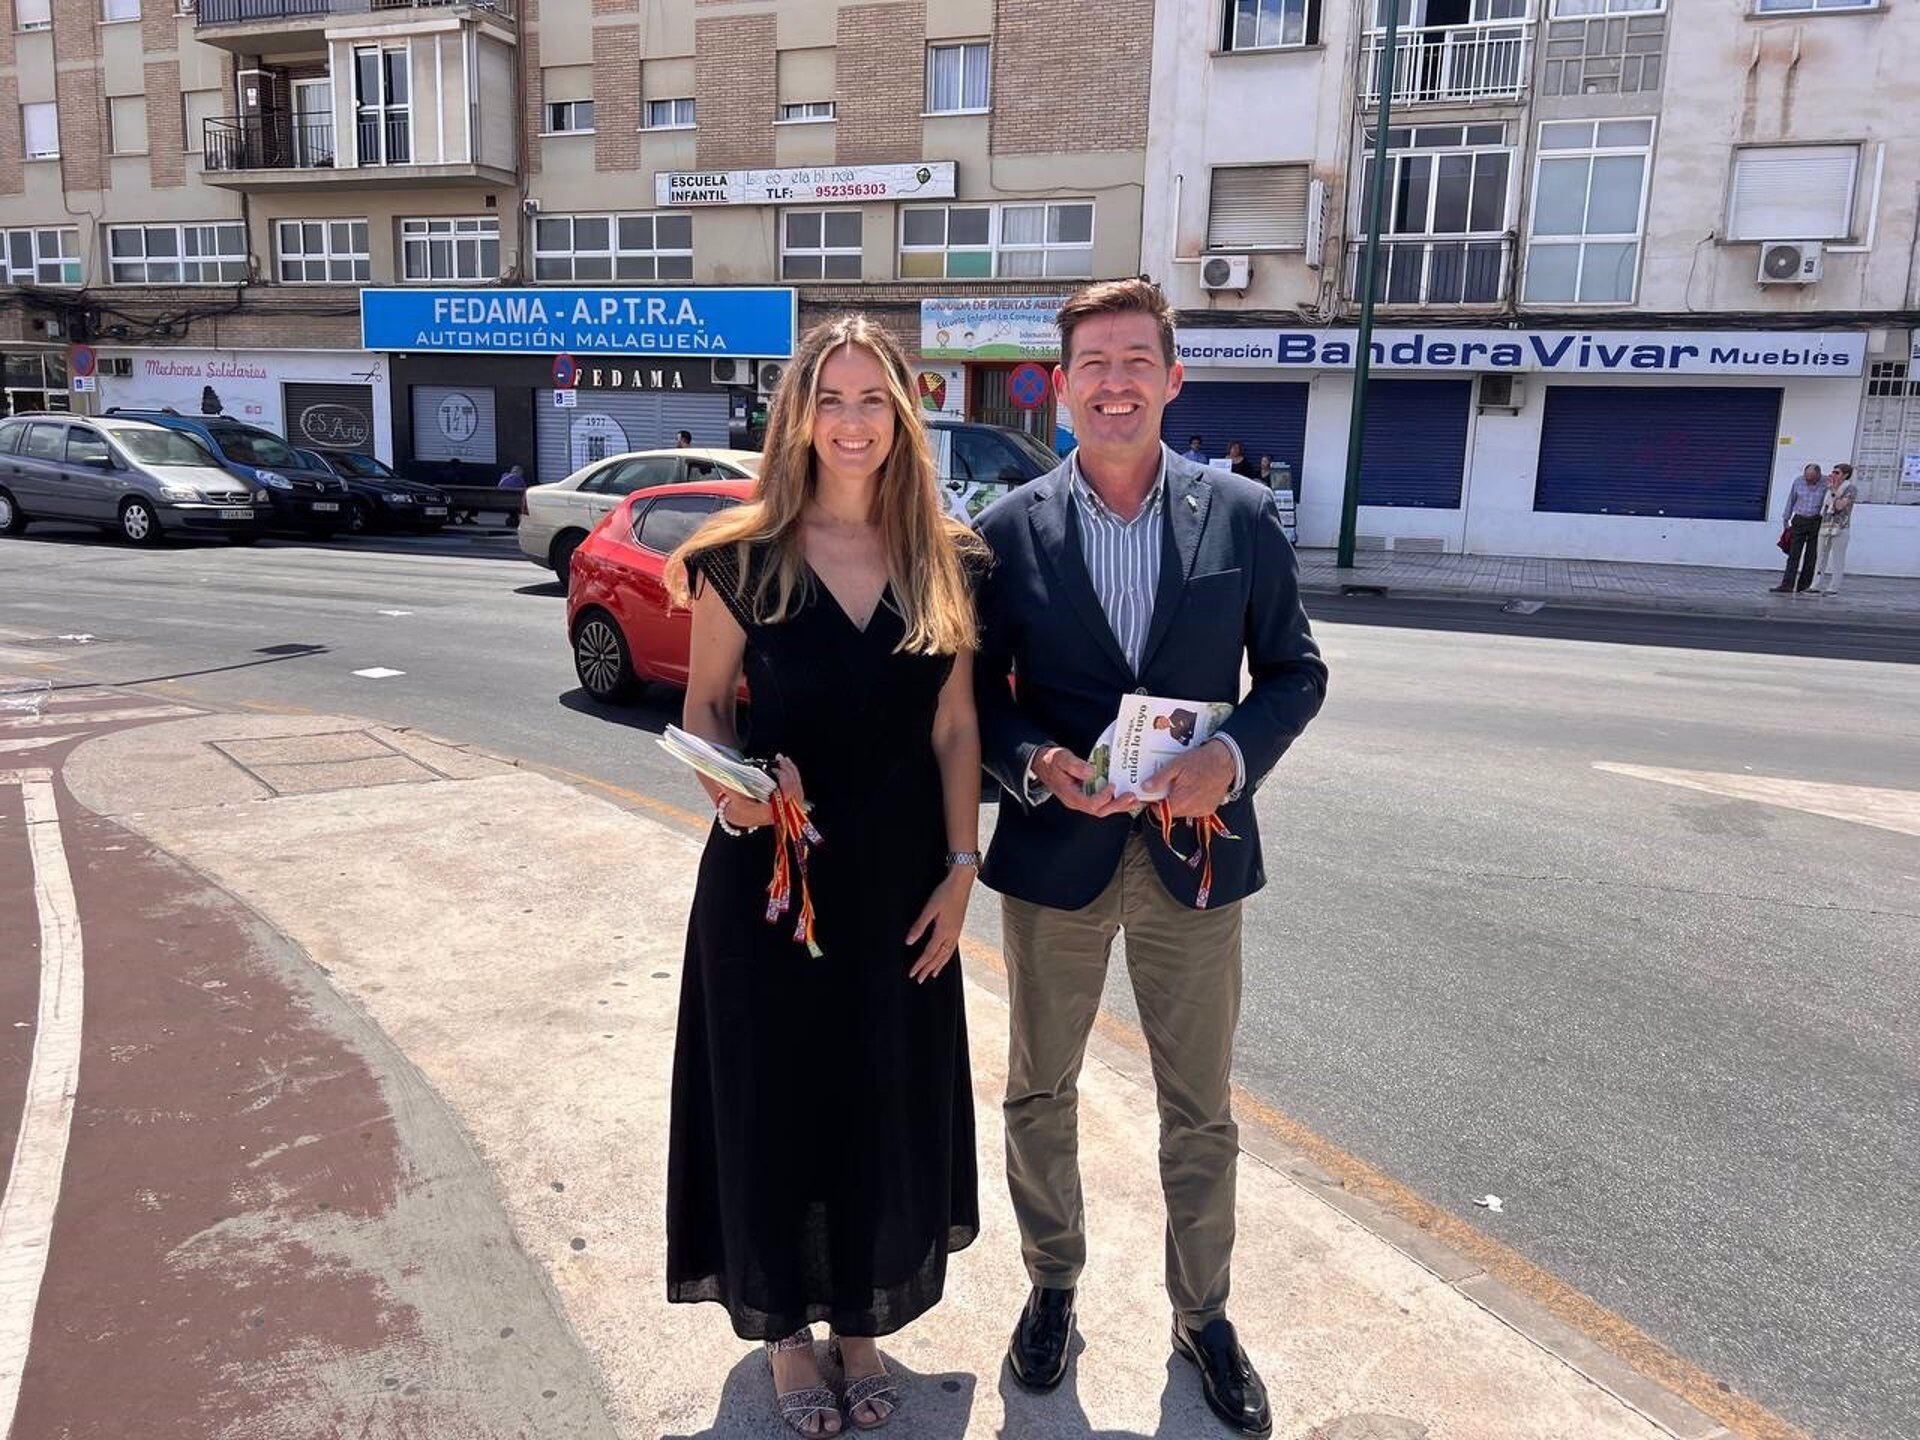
624 633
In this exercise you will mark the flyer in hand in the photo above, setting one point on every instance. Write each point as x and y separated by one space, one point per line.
1150 731
719 764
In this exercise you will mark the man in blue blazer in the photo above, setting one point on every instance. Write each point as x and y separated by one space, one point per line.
1131 569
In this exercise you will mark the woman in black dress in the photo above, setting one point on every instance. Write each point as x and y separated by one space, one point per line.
822 1156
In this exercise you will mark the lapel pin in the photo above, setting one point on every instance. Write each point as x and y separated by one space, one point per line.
1192 504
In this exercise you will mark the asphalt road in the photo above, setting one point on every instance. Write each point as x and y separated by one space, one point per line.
1673 1028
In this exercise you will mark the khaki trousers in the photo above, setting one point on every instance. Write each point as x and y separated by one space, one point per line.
1185 968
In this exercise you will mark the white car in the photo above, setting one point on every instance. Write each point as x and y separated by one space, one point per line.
557 517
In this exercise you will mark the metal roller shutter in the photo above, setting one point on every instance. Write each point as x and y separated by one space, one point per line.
1697 452
607 422
1416 443
330 417
1269 417
454 422
1258 207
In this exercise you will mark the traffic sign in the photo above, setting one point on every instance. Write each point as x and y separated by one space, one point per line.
85 384
82 360
566 374
1028 385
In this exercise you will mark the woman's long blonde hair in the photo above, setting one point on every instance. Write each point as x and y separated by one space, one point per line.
927 551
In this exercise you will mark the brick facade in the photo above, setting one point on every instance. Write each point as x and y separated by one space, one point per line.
159 26
882 82
1046 98
82 141
616 97
736 85
7 24
166 127
12 142
615 7
76 30
532 118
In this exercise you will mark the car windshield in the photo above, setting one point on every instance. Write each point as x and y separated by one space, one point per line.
163 447
1033 449
256 447
365 466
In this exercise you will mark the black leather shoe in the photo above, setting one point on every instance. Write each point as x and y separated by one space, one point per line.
1233 1388
1038 1351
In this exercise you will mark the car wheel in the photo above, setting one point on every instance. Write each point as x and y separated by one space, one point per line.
359 518
561 556
601 658
138 524
12 522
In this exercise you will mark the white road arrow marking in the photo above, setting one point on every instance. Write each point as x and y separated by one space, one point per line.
1896 810
378 672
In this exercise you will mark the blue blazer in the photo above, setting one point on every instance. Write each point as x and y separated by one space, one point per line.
1229 590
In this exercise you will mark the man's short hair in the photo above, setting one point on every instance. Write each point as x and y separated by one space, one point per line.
1194 440
1138 296
1845 469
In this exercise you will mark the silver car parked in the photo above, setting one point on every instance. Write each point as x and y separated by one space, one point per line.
129 476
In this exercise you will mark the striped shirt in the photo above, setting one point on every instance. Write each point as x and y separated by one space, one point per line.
1123 556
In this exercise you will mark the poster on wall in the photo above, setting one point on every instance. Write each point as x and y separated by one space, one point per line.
942 391
990 327
1910 472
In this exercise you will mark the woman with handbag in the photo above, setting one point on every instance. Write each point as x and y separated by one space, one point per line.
822 1151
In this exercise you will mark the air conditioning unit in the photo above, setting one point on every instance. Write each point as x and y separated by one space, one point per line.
768 375
1502 392
733 372
1789 262
1225 272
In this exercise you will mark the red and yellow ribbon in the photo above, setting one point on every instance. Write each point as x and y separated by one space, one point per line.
793 837
1205 827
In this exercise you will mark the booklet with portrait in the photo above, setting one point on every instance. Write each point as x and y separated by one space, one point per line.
724 766
1150 731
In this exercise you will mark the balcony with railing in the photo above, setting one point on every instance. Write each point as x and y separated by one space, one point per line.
1456 270
1451 64
258 26
277 152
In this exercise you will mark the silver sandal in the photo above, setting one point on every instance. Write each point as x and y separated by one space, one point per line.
799 1407
865 1391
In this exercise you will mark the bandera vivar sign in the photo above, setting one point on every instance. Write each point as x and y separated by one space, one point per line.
1568 352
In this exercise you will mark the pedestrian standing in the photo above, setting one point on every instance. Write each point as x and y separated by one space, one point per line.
1238 462
684 439
1836 523
1195 450
1802 522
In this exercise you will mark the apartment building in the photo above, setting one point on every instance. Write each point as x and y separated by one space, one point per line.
1640 261
452 221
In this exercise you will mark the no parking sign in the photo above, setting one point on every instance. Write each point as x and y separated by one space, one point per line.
1028 385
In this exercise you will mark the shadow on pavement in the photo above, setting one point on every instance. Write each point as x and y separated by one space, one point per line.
657 708
936 1406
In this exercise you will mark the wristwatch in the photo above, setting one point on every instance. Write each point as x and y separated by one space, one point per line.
963 857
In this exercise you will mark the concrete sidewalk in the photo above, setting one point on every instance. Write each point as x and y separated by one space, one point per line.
519 941
1669 589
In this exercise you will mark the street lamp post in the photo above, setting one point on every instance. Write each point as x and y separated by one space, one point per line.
1369 264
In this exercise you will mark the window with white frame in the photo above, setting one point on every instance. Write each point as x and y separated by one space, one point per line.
113 10
1889 434
1575 9
982 242
208 254
1589 211
1793 192
820 244
1449 201
1420 14
450 248
40 130
958 78
33 14
42 257
669 114
322 252
1801 7
1258 207
613 247
569 117
798 111
1270 24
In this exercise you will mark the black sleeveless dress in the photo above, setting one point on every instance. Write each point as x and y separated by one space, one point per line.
821 1164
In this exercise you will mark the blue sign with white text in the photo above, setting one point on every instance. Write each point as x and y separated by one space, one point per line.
616 320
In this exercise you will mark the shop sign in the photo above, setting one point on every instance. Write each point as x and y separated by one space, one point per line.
990 327
814 184
591 376
747 322
1562 352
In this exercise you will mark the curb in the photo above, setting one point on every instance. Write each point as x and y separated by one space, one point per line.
1385 589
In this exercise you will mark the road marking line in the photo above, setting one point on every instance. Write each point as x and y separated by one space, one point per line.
8 747
378 672
1886 809
90 717
395 613
46 1119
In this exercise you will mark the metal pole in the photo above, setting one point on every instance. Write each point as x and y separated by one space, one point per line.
1369 264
